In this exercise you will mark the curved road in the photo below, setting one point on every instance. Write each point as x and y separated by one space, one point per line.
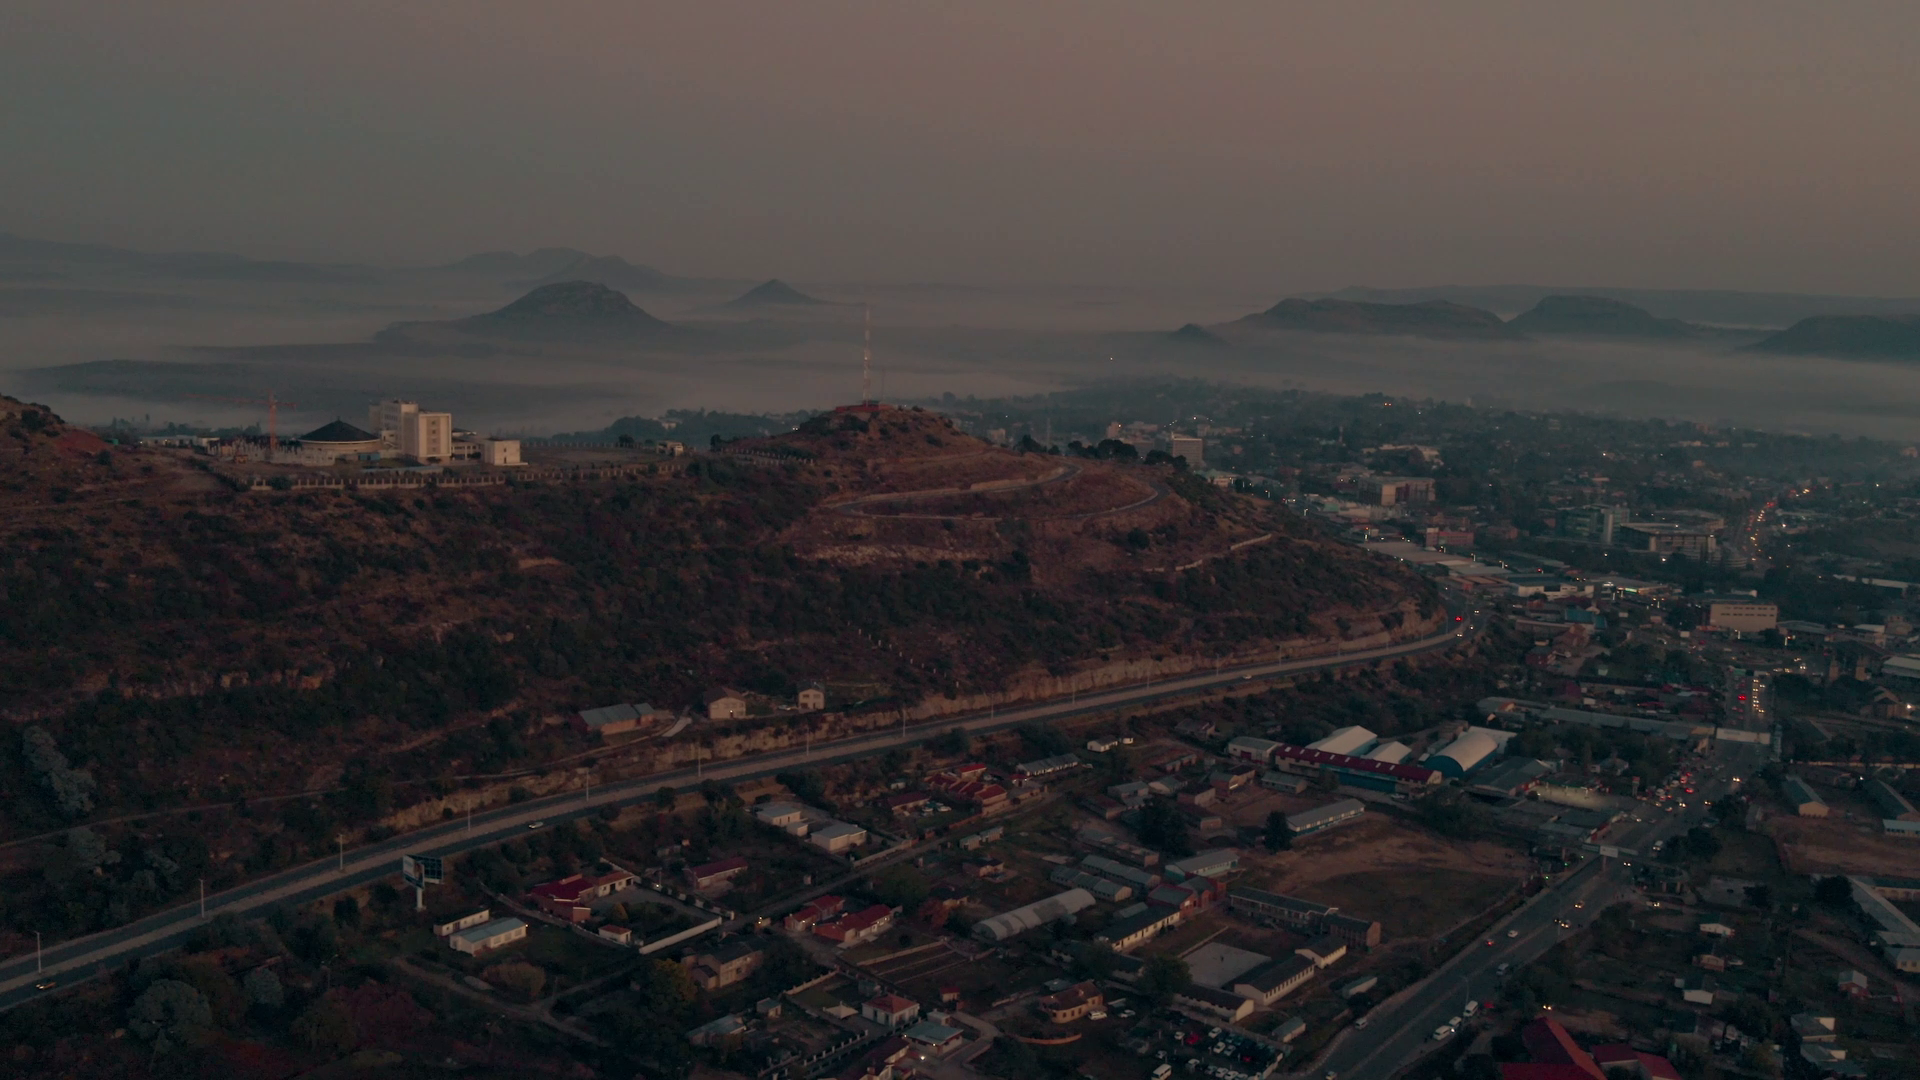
85 957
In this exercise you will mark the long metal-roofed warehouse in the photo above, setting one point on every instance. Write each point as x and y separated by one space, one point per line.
1393 753
1354 771
1347 740
1319 818
1039 913
1465 753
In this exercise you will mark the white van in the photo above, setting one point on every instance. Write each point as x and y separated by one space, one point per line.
1163 1072
1471 1008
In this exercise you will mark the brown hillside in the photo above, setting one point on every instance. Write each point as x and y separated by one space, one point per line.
184 643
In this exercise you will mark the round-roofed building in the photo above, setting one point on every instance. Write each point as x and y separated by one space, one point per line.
340 439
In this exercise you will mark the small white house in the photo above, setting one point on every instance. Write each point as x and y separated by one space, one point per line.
1717 929
838 836
454 926
813 698
478 939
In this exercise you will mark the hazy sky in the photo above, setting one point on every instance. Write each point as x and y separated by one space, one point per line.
1747 144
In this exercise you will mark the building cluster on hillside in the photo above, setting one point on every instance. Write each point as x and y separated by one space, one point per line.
397 431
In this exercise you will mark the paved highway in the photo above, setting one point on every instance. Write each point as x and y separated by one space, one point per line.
1400 1030
85 957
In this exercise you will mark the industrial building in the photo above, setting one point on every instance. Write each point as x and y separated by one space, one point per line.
1274 980
1742 614
1104 888
1393 752
1892 805
1355 771
1022 919
1347 740
1248 748
1321 818
1218 862
1468 752
1143 924
1801 798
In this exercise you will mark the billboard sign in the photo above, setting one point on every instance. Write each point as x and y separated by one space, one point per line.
420 871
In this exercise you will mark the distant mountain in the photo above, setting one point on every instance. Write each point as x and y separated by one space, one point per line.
17 252
564 311
1433 318
511 266
773 293
1195 334
1877 337
574 301
612 271
1710 307
1596 316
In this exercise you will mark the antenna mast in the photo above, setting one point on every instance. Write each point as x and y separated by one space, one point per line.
866 361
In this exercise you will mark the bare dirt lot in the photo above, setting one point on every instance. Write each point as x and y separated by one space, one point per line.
1835 845
1414 882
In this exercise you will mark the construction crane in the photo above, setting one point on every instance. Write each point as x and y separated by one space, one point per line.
273 414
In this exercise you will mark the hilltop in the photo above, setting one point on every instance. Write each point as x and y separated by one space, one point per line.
774 293
1596 316
568 310
187 643
1877 337
611 271
1431 318
1195 334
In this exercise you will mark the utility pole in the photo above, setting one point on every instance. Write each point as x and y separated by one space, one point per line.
203 898
37 968
589 796
469 819
342 841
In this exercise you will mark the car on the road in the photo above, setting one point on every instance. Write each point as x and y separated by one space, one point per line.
1441 1032
1503 969
1360 1023
1489 941
1513 933
537 825
1470 1008
1578 904
1454 1023
46 984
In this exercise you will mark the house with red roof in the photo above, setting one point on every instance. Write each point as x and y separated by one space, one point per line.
891 1010
1617 1058
820 907
568 897
857 927
1555 1056
707 875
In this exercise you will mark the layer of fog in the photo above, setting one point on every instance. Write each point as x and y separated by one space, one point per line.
928 340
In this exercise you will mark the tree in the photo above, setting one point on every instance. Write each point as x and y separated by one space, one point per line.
1835 891
618 915
1760 896
169 1013
951 743
326 1025
900 886
1093 961
664 798
263 988
346 912
1163 976
1278 836
519 976
1161 827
